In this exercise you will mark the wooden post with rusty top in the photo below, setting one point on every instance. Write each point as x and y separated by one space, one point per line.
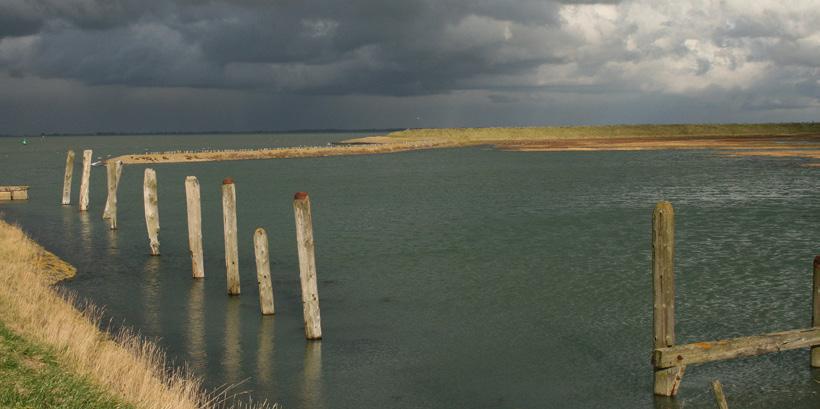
114 171
667 380
229 225
815 311
150 199
69 174
307 266
260 247
85 182
192 200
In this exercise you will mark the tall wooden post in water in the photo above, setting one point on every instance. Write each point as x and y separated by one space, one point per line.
85 182
229 225
815 311
192 200
149 196
307 266
69 174
667 380
113 172
260 248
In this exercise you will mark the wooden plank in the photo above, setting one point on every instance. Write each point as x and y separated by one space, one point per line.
307 266
720 397
229 227
69 174
85 183
815 315
194 207
701 352
260 247
5 195
667 380
150 199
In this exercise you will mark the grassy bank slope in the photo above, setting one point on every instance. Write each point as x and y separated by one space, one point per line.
31 377
123 365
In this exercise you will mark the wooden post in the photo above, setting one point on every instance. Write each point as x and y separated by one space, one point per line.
85 183
149 195
815 315
113 184
194 226
69 174
260 247
720 398
229 225
109 178
667 380
307 266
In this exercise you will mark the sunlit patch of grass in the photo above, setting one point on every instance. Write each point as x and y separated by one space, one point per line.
30 377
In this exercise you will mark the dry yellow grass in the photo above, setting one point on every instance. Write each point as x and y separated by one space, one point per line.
133 369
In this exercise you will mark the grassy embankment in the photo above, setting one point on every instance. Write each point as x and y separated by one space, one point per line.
764 138
52 338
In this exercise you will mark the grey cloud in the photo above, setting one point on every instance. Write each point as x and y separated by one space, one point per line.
503 53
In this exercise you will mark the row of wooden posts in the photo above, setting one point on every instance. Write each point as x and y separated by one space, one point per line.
669 360
302 216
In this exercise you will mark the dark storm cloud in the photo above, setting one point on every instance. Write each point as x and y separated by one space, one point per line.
319 46
520 58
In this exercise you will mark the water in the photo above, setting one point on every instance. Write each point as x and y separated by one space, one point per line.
450 278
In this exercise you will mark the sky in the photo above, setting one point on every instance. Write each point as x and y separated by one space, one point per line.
243 65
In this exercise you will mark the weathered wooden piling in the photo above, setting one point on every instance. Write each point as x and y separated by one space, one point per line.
149 195
229 225
815 311
307 266
109 178
85 185
667 380
69 174
114 172
720 397
192 200
260 247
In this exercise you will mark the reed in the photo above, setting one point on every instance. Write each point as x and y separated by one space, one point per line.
133 369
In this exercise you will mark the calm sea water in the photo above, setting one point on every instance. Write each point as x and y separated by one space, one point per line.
464 278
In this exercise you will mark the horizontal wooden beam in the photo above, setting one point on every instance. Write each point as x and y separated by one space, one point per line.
701 352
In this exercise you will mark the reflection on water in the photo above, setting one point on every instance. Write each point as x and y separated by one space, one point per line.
86 234
151 295
312 376
232 361
113 249
264 352
197 353
663 402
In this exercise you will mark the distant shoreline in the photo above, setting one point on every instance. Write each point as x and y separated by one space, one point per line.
763 139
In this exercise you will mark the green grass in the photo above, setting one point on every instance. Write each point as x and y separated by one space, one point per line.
30 377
